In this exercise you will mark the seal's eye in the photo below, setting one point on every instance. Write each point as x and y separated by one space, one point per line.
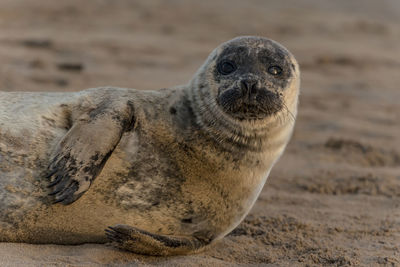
226 67
275 70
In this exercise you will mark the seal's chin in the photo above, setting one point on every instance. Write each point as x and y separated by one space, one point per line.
254 106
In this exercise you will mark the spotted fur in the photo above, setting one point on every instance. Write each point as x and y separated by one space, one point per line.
178 167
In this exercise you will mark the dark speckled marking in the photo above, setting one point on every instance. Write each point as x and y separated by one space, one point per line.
95 157
172 110
187 220
186 116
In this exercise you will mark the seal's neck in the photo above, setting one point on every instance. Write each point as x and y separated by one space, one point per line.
254 135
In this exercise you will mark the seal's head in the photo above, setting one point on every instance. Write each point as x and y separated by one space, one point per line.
250 79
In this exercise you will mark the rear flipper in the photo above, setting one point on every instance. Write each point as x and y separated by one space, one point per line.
142 242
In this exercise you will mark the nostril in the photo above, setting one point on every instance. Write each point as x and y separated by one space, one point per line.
244 85
249 86
253 90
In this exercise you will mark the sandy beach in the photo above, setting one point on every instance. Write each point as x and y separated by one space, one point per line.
334 196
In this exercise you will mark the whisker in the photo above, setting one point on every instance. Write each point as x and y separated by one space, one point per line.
289 112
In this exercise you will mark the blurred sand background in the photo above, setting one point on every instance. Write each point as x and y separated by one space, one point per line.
333 198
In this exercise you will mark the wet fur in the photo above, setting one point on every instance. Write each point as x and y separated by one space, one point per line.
171 164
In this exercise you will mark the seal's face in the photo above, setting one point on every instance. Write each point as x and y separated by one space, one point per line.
251 76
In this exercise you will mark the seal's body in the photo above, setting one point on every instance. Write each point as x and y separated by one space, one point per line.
180 166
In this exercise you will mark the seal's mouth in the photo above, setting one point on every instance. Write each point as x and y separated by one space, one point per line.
251 104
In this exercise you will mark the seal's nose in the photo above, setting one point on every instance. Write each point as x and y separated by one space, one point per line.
249 87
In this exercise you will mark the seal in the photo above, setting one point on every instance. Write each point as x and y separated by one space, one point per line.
172 170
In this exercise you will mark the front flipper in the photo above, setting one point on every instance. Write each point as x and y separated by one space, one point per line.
83 151
142 242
